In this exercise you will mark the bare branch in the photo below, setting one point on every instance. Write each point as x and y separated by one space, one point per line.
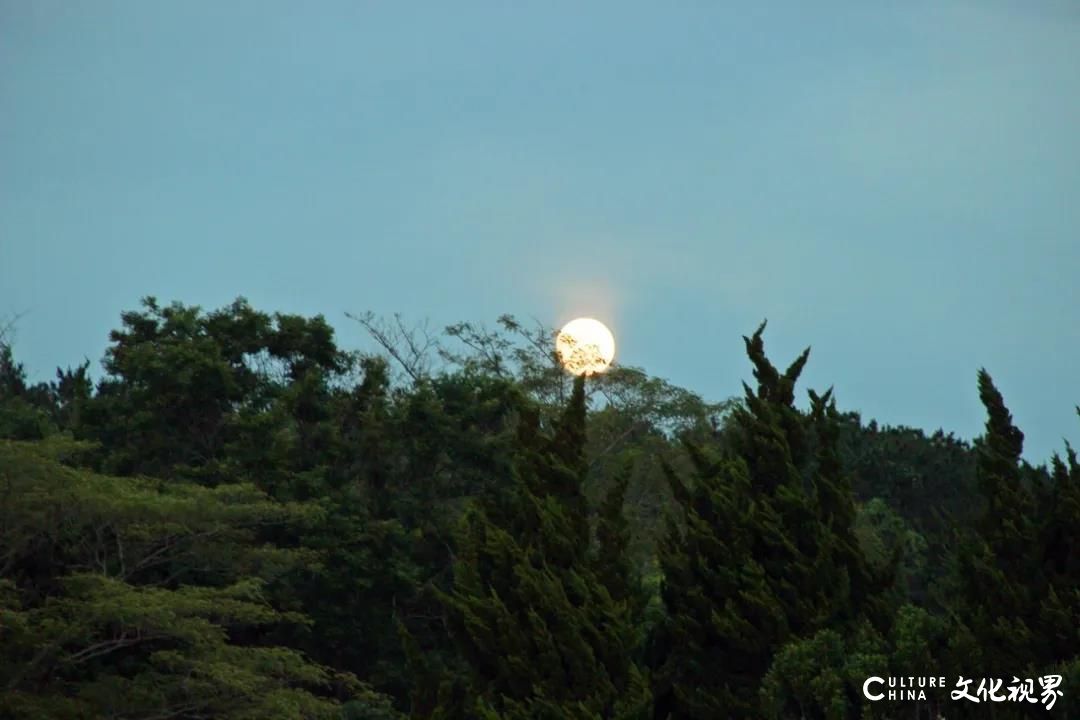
413 358
7 328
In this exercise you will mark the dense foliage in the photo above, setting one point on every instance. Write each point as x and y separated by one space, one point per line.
239 519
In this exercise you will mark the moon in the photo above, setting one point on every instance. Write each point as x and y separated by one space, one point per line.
585 346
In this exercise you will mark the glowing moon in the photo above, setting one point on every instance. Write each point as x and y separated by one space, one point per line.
585 346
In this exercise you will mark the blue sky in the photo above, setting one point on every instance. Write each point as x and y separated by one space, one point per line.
895 184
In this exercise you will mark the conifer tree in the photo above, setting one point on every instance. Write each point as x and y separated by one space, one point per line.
998 564
1015 605
857 590
1057 628
612 544
723 618
737 578
1060 629
767 554
542 635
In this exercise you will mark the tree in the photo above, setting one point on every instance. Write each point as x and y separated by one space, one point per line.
183 385
1060 545
767 554
723 619
998 565
891 546
1057 628
20 417
821 676
124 597
541 634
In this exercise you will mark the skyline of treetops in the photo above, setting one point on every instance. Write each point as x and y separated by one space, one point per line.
238 518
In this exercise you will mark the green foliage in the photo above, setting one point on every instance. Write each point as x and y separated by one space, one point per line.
723 619
123 598
1011 597
612 544
19 418
998 565
821 677
240 520
180 382
890 545
768 554
1060 552
541 633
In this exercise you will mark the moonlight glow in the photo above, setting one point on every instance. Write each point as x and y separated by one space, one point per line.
585 346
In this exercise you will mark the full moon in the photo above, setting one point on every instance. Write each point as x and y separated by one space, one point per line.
585 346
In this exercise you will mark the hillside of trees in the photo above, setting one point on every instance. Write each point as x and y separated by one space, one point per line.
237 518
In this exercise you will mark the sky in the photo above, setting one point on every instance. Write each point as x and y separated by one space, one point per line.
896 185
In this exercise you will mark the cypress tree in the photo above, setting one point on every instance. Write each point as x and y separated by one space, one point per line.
766 555
542 635
723 618
1061 561
998 565
857 591
611 551
737 575
1058 626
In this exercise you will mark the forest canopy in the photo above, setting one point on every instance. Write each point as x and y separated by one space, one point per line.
238 518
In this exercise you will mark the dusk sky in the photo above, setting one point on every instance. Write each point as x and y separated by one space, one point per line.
895 184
